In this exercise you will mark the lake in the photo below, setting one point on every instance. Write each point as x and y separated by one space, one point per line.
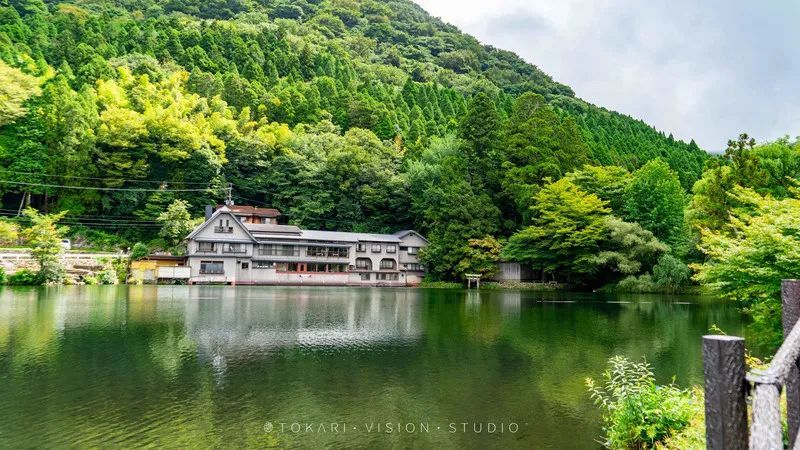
222 367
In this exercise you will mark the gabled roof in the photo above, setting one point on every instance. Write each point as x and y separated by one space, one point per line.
403 233
257 231
252 211
221 211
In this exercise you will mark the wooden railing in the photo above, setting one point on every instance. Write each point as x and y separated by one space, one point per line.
728 387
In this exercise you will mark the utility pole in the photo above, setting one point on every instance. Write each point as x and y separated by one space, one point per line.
23 203
229 198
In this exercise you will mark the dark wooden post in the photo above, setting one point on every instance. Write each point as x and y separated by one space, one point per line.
790 296
726 410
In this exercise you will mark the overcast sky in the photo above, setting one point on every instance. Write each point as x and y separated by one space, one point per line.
706 70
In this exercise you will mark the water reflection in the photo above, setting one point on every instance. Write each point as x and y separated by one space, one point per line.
181 366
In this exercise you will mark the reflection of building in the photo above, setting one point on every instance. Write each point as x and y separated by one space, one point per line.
243 322
233 246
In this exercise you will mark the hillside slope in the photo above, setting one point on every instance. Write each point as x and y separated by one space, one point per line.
276 97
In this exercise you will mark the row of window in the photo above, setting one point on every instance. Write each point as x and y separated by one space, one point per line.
366 264
380 276
311 267
218 267
328 252
211 247
376 248
293 250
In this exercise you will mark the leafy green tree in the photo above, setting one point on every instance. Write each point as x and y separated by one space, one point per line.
670 272
538 144
44 236
607 182
451 210
15 88
627 249
481 256
771 168
176 224
567 226
479 130
655 200
748 263
139 251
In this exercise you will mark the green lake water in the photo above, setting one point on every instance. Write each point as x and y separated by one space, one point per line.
223 367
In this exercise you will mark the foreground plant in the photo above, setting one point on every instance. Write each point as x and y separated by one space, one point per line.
638 413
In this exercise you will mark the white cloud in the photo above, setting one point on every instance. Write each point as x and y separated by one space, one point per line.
703 70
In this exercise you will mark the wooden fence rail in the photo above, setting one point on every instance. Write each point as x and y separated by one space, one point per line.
727 386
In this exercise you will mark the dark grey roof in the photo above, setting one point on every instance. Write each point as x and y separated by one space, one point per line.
272 228
343 236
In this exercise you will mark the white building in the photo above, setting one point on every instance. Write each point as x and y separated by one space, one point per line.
227 248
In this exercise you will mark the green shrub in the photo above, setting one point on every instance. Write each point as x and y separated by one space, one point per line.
632 283
109 274
670 272
637 413
24 277
139 250
2 276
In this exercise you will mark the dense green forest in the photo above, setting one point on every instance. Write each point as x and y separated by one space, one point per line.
344 114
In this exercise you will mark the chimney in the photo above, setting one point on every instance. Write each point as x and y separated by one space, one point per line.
209 212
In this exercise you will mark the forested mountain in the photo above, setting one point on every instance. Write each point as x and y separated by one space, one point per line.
346 114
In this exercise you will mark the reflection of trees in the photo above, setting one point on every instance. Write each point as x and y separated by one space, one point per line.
208 365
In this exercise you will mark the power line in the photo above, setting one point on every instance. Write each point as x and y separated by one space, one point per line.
104 217
103 179
90 188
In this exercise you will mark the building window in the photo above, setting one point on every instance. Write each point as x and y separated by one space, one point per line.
386 276
316 251
361 248
212 267
365 276
278 250
363 264
415 267
326 268
245 265
376 248
207 247
338 252
263 265
327 252
287 267
412 250
388 264
391 248
224 226
233 248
